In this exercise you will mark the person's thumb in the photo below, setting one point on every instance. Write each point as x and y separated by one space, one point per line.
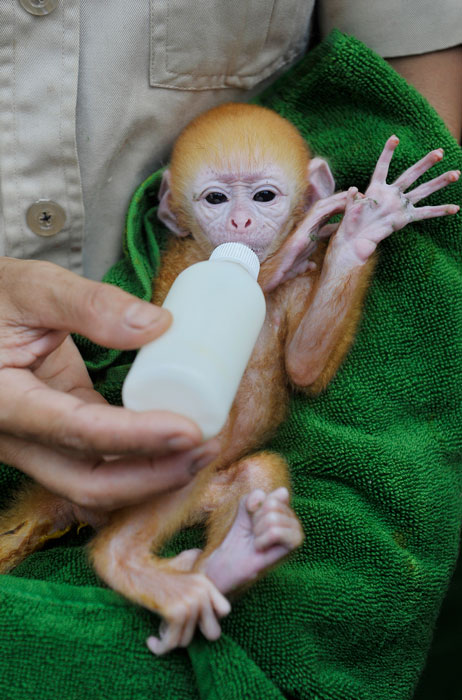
44 295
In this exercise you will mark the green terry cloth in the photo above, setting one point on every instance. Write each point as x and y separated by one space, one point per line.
375 462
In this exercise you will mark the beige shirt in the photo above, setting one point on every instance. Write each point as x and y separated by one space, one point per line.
93 93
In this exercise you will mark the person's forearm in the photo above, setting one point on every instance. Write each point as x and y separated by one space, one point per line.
438 77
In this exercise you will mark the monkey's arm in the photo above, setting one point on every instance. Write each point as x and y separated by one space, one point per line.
294 257
319 338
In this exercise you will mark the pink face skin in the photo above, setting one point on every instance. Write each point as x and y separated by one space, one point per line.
254 209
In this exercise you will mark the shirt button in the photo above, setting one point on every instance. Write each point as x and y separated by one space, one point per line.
45 218
39 7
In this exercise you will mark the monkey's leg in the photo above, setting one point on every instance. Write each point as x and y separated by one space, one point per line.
252 525
35 516
250 528
122 554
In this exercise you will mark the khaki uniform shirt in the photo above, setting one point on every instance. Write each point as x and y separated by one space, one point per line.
93 92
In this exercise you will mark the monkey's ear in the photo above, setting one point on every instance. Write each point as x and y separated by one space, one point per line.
320 181
164 211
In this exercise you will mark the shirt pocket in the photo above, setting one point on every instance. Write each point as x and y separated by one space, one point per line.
215 44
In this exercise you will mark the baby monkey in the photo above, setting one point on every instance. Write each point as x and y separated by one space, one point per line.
243 173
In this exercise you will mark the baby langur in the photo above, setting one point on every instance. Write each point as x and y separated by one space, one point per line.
243 173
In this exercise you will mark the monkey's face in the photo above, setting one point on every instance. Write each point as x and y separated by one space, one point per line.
254 208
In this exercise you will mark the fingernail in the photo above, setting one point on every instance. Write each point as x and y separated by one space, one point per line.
141 315
181 442
204 455
200 463
256 505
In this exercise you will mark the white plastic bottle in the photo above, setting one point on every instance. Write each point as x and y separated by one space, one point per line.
195 367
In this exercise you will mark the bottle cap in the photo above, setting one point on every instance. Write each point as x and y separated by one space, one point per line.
238 253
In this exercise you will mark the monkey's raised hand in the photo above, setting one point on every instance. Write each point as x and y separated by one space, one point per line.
292 258
386 208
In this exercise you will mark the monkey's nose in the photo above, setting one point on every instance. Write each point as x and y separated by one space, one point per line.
240 225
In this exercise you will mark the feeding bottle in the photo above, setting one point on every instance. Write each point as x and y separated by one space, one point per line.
195 367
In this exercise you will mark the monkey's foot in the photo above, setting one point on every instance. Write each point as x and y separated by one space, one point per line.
195 602
185 560
265 530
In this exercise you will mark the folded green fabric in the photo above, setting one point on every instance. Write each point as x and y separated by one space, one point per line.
375 462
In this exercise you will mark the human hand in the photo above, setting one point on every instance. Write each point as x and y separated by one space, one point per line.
53 425
371 217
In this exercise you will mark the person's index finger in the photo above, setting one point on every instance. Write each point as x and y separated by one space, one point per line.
41 414
46 295
101 485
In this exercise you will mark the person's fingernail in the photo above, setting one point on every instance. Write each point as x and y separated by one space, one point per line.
200 463
203 456
141 315
181 442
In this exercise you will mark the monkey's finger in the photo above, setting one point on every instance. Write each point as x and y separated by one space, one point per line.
188 630
208 623
353 194
327 230
168 639
221 605
352 197
420 213
276 502
327 206
281 494
255 500
320 212
264 522
101 485
381 169
185 560
269 556
155 646
285 537
427 188
413 173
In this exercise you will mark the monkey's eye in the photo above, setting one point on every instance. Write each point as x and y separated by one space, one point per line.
264 196
216 198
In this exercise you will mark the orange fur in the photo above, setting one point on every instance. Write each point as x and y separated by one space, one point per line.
326 347
340 344
123 552
34 517
239 138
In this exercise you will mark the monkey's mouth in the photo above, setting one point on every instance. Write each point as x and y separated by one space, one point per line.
260 251
259 247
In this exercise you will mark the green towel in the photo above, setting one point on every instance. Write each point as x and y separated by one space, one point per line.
375 462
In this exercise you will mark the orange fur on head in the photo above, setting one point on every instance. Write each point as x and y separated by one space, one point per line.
241 139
